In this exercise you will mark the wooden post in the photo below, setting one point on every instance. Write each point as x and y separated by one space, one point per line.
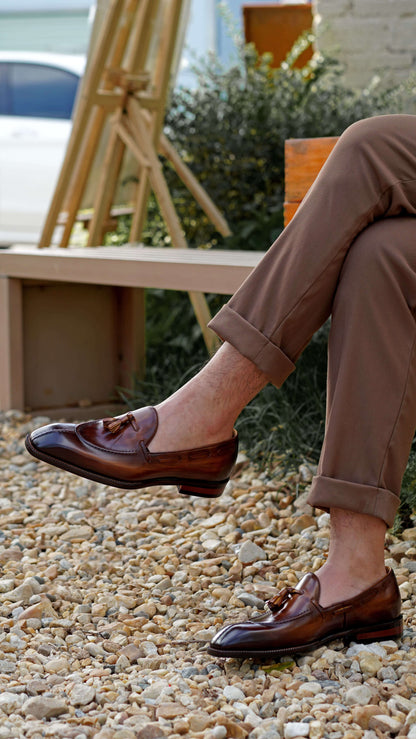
131 334
11 342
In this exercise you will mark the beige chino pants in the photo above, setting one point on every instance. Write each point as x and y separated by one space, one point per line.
349 252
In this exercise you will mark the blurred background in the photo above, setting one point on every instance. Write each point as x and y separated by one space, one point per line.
63 26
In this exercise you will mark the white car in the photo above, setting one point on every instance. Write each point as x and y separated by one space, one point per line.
37 94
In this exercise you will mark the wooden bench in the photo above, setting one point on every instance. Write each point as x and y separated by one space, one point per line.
72 320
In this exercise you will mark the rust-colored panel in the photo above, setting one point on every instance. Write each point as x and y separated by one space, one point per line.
304 159
274 27
289 210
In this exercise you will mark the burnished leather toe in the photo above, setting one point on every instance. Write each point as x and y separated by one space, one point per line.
295 622
115 451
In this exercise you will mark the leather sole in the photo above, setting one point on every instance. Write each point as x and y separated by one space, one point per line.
200 488
389 630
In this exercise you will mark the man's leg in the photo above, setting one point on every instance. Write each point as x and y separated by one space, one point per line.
371 419
371 402
209 404
370 174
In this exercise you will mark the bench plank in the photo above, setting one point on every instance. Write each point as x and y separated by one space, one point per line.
204 270
73 320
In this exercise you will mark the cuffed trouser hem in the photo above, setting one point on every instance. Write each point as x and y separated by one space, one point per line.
327 493
251 343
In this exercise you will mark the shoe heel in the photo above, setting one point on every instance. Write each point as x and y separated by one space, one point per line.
201 490
390 630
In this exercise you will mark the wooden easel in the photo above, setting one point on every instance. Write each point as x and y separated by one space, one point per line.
126 85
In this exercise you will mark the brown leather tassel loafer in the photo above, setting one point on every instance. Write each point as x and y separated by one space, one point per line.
295 622
114 451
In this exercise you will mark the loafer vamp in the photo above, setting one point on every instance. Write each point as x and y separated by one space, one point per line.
274 634
117 451
299 623
298 620
63 443
127 439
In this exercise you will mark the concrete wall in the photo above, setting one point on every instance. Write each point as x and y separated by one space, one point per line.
369 37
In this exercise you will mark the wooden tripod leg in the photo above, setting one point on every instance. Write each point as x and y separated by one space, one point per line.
142 36
167 209
203 316
81 169
164 61
82 113
143 189
192 184
140 211
98 116
166 43
138 132
107 183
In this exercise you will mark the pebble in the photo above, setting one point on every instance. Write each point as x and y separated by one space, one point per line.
170 710
218 732
81 695
302 522
108 599
151 731
11 702
43 707
385 723
295 729
58 665
22 592
250 552
231 693
362 714
370 664
249 599
375 648
361 694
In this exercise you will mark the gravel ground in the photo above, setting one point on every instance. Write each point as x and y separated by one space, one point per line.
108 599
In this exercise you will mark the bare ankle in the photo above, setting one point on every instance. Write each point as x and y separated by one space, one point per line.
356 556
181 426
204 410
338 584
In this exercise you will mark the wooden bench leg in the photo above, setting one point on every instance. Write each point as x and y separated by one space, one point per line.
131 334
11 344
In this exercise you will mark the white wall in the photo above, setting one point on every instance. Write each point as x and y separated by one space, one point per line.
369 37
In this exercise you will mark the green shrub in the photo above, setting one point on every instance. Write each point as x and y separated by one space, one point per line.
407 505
231 130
